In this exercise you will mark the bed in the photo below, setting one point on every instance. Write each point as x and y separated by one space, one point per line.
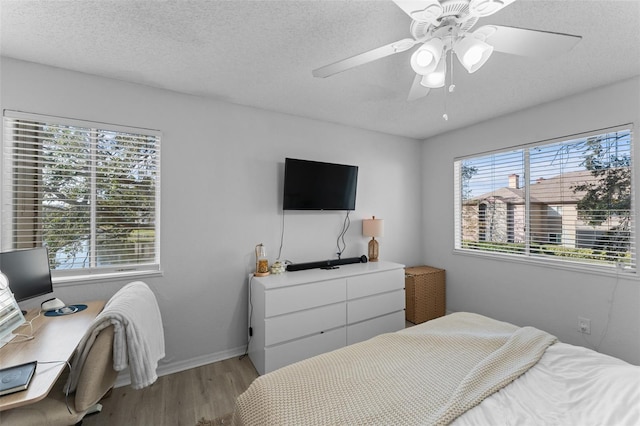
461 369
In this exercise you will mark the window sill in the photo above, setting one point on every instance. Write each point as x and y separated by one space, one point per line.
66 281
608 271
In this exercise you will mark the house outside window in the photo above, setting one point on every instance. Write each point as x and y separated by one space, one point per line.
563 200
87 191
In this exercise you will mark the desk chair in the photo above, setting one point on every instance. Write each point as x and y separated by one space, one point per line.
95 380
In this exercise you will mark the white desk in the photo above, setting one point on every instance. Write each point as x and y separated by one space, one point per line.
55 339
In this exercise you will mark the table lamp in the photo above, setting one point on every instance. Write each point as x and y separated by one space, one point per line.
373 228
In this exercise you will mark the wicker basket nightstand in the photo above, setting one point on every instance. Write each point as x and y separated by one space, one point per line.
425 293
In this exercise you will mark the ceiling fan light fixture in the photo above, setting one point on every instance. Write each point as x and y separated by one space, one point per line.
472 53
436 79
425 59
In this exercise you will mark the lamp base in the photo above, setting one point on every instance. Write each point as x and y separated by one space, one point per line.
373 250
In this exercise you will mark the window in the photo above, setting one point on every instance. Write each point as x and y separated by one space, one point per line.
89 192
563 201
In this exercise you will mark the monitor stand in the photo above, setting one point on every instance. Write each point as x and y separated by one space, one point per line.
66 310
52 304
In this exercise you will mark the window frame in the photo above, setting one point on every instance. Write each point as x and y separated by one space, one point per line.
77 275
527 257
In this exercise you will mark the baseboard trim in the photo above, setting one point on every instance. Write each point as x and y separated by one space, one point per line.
124 378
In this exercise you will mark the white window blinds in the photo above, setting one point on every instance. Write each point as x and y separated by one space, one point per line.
87 191
564 201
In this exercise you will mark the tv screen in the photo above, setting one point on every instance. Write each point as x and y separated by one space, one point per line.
28 272
314 185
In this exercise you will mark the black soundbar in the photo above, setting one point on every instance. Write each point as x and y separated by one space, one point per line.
326 263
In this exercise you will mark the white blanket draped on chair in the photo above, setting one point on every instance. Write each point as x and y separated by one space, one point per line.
138 341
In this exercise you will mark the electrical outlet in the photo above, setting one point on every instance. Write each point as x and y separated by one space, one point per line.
584 325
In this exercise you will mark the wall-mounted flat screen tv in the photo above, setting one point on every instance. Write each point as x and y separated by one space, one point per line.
314 185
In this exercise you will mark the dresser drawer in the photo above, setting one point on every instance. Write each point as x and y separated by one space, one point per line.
303 323
373 327
280 355
296 298
368 284
375 306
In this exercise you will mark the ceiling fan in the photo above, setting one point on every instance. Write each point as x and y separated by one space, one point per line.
442 28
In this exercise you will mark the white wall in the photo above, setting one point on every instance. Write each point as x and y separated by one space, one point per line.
222 170
524 294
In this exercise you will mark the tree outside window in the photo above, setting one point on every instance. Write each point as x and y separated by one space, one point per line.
88 194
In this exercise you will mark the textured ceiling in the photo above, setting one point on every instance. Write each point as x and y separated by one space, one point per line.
261 53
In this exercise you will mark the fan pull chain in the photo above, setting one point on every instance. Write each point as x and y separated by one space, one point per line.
445 115
452 87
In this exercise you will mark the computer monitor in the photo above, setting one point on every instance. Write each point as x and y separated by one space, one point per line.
28 272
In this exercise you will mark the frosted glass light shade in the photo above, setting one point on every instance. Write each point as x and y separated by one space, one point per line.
472 53
436 78
425 59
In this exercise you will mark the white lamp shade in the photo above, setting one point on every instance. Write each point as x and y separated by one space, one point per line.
426 58
472 53
373 227
436 79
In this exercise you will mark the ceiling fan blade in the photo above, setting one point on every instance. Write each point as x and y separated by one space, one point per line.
482 8
421 10
525 42
417 90
363 58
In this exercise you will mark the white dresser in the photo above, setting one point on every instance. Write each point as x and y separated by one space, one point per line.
300 314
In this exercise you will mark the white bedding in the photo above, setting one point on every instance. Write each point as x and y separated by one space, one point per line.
570 385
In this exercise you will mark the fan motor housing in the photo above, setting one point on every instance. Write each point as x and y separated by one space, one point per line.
454 13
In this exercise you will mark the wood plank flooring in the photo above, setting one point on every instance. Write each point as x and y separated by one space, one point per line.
179 399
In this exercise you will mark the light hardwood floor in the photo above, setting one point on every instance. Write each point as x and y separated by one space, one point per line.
178 399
